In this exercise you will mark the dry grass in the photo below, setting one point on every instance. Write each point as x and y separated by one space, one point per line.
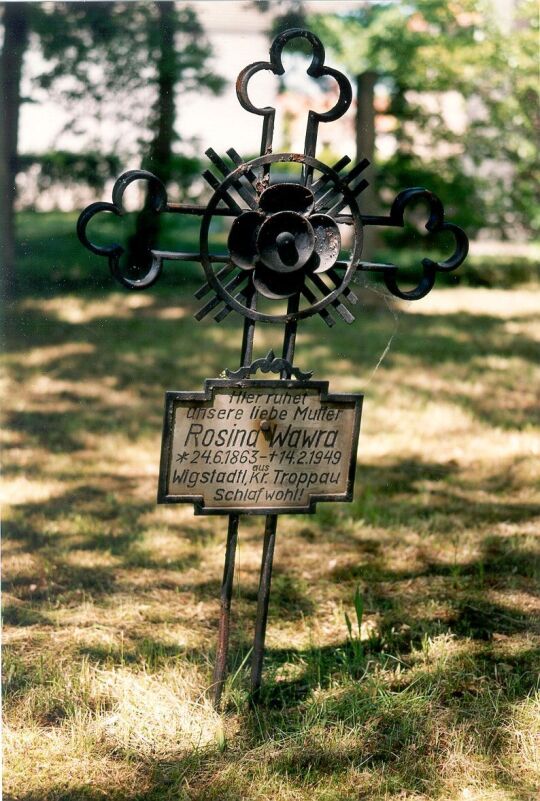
110 602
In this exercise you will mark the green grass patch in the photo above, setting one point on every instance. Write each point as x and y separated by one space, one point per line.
403 641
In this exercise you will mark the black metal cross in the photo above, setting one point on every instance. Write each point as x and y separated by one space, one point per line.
286 245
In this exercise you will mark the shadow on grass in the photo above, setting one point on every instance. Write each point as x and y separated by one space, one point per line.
93 519
397 733
144 353
144 652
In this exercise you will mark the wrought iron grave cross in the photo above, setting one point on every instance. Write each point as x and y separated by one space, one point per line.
253 446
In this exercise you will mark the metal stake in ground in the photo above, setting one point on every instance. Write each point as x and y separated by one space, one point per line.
263 599
220 668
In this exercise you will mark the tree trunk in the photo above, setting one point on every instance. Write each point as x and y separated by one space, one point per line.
15 19
159 155
365 148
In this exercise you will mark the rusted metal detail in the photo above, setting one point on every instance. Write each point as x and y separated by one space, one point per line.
268 276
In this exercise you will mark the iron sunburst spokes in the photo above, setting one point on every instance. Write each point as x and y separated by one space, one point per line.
282 246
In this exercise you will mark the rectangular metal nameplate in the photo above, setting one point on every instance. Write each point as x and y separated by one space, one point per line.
259 447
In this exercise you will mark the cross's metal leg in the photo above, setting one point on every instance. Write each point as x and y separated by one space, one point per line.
262 604
220 669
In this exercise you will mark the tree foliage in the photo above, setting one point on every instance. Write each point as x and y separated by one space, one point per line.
426 49
180 53
55 167
107 64
104 63
502 140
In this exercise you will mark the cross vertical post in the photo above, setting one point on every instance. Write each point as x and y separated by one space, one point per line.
263 600
220 668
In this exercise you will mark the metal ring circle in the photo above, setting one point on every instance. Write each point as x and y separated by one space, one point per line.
314 308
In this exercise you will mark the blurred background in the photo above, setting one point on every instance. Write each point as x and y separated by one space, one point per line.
445 97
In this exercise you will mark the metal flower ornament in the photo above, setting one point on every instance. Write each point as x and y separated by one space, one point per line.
293 248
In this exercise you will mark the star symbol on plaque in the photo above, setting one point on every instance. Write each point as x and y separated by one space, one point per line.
181 457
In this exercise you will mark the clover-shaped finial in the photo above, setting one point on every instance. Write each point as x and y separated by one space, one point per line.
316 69
149 267
435 224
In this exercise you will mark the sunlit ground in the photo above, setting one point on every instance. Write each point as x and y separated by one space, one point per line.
111 602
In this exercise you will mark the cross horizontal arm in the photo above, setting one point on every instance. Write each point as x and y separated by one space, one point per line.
172 255
366 266
190 208
367 219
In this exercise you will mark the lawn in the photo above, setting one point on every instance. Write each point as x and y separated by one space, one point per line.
111 602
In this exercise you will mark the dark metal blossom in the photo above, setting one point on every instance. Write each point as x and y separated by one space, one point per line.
284 241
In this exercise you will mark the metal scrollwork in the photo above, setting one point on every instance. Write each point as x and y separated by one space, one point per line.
270 364
316 70
435 224
285 243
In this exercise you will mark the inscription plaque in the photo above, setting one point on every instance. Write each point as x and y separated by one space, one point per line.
259 447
